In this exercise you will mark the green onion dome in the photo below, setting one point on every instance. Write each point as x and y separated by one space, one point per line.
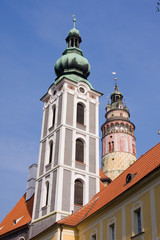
72 60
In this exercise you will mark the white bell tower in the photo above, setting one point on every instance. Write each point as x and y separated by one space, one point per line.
68 167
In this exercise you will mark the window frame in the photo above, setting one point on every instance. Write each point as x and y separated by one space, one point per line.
112 231
53 115
137 208
78 200
94 237
110 227
79 148
80 117
93 234
47 187
50 152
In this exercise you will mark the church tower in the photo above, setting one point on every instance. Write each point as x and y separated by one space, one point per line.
68 167
118 140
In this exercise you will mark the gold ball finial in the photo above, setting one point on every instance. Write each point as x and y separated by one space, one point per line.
116 87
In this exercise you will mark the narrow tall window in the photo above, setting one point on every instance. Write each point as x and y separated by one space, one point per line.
112 147
94 237
47 192
130 128
138 221
54 115
50 151
80 113
112 231
109 144
72 42
79 150
78 192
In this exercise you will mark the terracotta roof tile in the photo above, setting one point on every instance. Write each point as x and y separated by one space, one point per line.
101 174
21 213
101 185
142 167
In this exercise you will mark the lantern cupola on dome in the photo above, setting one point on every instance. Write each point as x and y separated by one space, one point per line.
72 61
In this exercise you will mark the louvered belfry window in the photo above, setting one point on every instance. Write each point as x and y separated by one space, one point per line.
78 192
47 192
80 113
79 151
54 115
50 152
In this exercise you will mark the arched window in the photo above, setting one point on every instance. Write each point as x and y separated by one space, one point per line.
78 192
130 128
72 42
117 127
54 115
126 128
80 113
50 151
79 150
112 127
47 193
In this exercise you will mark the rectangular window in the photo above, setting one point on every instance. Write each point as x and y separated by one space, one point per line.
94 237
138 221
112 231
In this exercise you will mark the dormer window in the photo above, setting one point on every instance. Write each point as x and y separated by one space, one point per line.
15 221
129 178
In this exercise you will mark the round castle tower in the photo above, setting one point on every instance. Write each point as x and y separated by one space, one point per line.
118 140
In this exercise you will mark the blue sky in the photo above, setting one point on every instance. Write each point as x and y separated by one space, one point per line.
120 35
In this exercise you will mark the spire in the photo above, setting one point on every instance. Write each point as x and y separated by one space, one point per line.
74 21
116 96
116 87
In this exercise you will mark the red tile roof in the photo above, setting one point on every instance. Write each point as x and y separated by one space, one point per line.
101 185
142 167
22 209
102 174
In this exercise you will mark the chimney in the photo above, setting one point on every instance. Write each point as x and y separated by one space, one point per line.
31 181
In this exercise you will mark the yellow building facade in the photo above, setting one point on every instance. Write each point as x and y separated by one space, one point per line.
132 213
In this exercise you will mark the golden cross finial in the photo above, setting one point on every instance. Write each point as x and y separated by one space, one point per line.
74 20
